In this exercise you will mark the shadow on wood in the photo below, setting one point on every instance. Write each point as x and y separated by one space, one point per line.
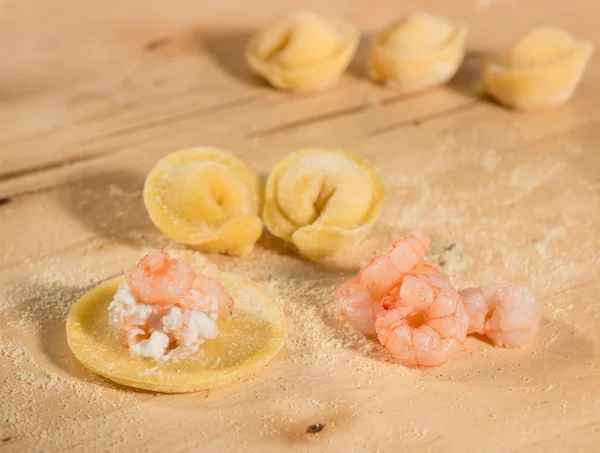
110 205
275 244
557 351
227 51
468 79
358 65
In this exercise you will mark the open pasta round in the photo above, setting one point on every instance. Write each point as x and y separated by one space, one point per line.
541 70
246 342
206 198
303 51
322 201
416 52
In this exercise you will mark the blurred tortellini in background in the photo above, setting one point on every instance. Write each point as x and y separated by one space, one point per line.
541 70
416 52
303 51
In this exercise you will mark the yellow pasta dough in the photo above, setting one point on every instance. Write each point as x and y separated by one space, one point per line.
322 201
246 342
417 51
303 51
541 70
207 198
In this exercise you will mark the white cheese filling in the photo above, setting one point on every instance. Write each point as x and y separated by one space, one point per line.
157 332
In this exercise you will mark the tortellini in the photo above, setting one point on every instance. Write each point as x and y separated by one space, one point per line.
322 201
416 52
541 70
206 198
246 342
303 51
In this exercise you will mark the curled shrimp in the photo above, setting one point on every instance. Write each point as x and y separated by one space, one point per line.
507 314
431 269
385 271
353 301
208 295
357 300
425 322
158 279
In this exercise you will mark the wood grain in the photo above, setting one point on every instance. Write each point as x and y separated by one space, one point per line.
92 94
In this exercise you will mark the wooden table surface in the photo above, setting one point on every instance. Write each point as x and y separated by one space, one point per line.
92 94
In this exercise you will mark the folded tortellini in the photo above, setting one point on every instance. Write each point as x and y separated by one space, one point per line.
541 70
416 52
303 51
322 201
206 198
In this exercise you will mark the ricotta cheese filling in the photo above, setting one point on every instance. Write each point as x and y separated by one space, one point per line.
156 331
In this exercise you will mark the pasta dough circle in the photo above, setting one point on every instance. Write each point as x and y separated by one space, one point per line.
207 198
303 51
416 52
541 70
245 343
322 201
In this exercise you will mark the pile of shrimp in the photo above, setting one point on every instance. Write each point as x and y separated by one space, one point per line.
163 301
420 318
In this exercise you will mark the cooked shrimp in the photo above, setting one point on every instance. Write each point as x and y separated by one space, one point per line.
426 322
357 300
158 279
428 268
208 295
507 314
384 271
353 301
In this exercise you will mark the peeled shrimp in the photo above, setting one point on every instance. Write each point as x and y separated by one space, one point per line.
354 302
425 323
208 295
432 269
507 314
357 300
384 271
158 279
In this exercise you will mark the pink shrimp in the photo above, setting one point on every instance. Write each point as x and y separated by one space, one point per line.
357 300
158 279
432 269
384 271
209 295
426 322
507 314
353 301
